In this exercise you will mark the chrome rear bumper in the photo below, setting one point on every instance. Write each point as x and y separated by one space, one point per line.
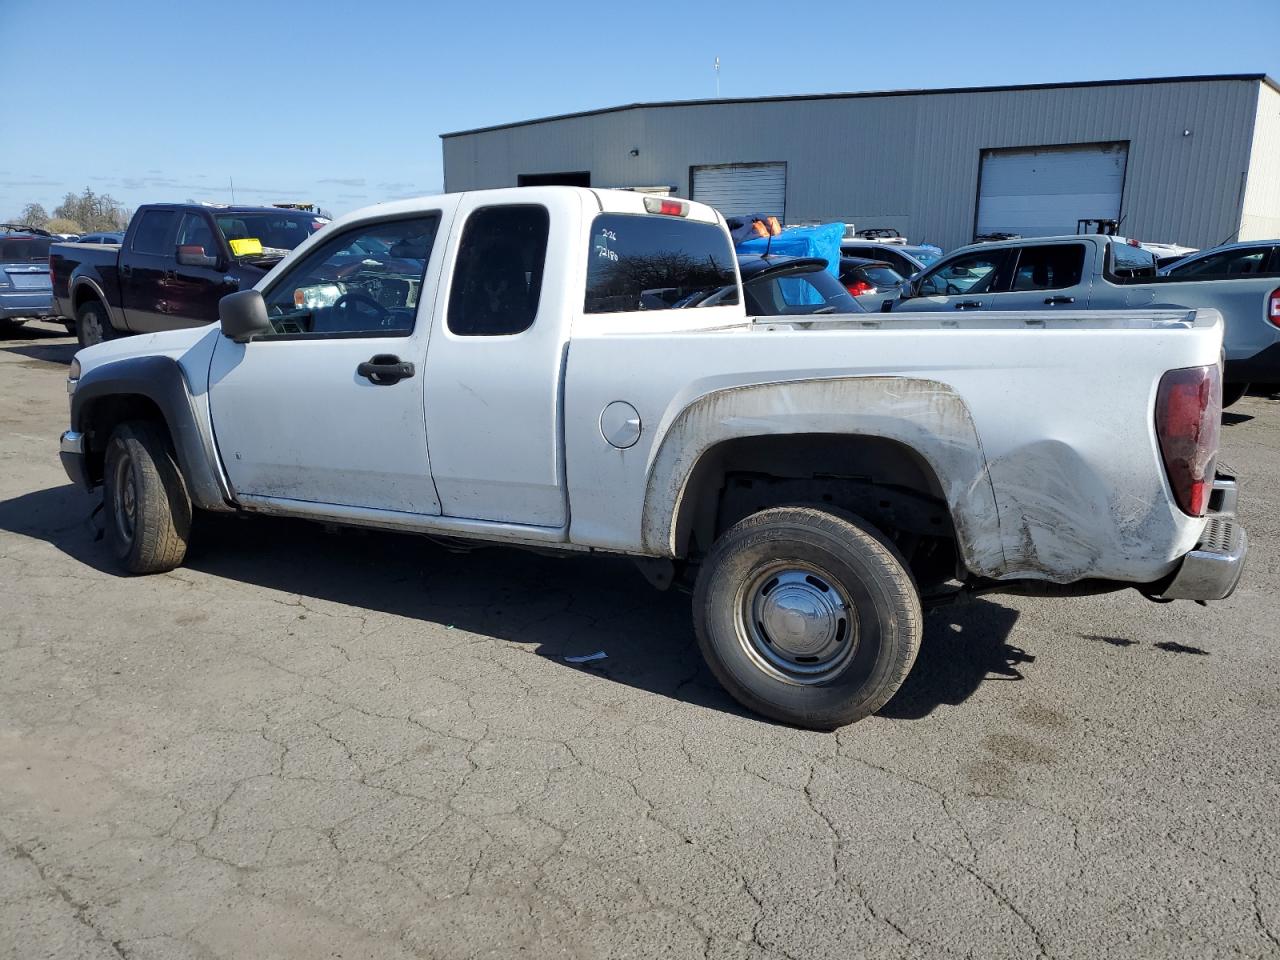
1212 569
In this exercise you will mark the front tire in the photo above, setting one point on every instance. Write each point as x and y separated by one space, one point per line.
148 510
807 617
93 326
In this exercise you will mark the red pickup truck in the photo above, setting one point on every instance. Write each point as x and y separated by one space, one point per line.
176 262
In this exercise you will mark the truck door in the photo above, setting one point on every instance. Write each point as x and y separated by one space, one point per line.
193 290
327 408
144 263
496 363
964 282
1049 276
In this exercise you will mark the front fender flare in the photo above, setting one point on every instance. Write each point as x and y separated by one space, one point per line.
159 379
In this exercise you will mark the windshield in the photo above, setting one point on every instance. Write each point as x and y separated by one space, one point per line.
927 257
882 276
276 231
24 249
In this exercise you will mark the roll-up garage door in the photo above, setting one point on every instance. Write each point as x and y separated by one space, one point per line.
740 188
1044 191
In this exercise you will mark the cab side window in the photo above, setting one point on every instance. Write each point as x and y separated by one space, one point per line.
497 276
1050 267
972 273
196 231
366 281
153 230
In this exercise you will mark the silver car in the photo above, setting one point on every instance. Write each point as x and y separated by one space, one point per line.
26 292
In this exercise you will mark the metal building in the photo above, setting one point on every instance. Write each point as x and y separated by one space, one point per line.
1189 160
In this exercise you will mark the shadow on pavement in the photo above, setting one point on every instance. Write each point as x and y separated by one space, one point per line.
556 605
37 343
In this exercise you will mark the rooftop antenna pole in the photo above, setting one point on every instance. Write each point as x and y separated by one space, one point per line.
231 180
717 78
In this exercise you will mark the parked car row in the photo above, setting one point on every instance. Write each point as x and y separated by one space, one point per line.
1107 272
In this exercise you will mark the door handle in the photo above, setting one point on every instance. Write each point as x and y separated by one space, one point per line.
384 369
126 270
969 305
1054 300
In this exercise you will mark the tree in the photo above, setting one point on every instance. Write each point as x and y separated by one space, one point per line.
93 211
63 225
33 215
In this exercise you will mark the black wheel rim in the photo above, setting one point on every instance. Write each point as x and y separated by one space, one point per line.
124 500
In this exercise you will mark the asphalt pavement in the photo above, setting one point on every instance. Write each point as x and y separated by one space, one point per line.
309 743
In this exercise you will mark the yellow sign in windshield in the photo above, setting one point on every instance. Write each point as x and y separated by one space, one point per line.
243 248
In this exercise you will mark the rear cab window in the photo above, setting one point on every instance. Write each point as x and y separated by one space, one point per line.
798 295
651 262
1127 262
154 229
24 249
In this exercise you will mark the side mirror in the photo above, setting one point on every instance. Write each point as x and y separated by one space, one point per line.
193 255
243 315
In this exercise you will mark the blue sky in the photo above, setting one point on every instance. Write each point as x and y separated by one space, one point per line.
341 103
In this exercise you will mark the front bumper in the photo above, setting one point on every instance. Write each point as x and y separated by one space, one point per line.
1212 569
71 453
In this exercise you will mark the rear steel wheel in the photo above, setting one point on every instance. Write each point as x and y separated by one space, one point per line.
797 622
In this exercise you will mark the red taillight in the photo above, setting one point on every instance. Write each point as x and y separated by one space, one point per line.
1188 415
859 287
1273 307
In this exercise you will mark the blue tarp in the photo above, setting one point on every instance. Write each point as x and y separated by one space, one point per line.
820 241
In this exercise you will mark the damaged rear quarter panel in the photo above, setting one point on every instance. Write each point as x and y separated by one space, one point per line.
1042 439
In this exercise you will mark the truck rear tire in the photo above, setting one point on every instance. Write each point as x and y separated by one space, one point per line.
93 325
147 507
807 617
1233 393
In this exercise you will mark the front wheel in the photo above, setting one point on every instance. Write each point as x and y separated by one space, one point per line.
807 617
148 510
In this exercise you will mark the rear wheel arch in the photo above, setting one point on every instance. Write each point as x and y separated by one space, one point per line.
917 433
885 482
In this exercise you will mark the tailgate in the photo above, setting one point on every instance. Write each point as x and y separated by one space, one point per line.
27 276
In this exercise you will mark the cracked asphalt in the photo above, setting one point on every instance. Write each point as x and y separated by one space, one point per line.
313 744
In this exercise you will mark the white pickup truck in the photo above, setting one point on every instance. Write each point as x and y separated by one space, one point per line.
572 370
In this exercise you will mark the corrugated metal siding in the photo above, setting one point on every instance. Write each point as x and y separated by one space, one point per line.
908 161
1260 219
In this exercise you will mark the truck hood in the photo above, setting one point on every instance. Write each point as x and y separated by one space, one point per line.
177 344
